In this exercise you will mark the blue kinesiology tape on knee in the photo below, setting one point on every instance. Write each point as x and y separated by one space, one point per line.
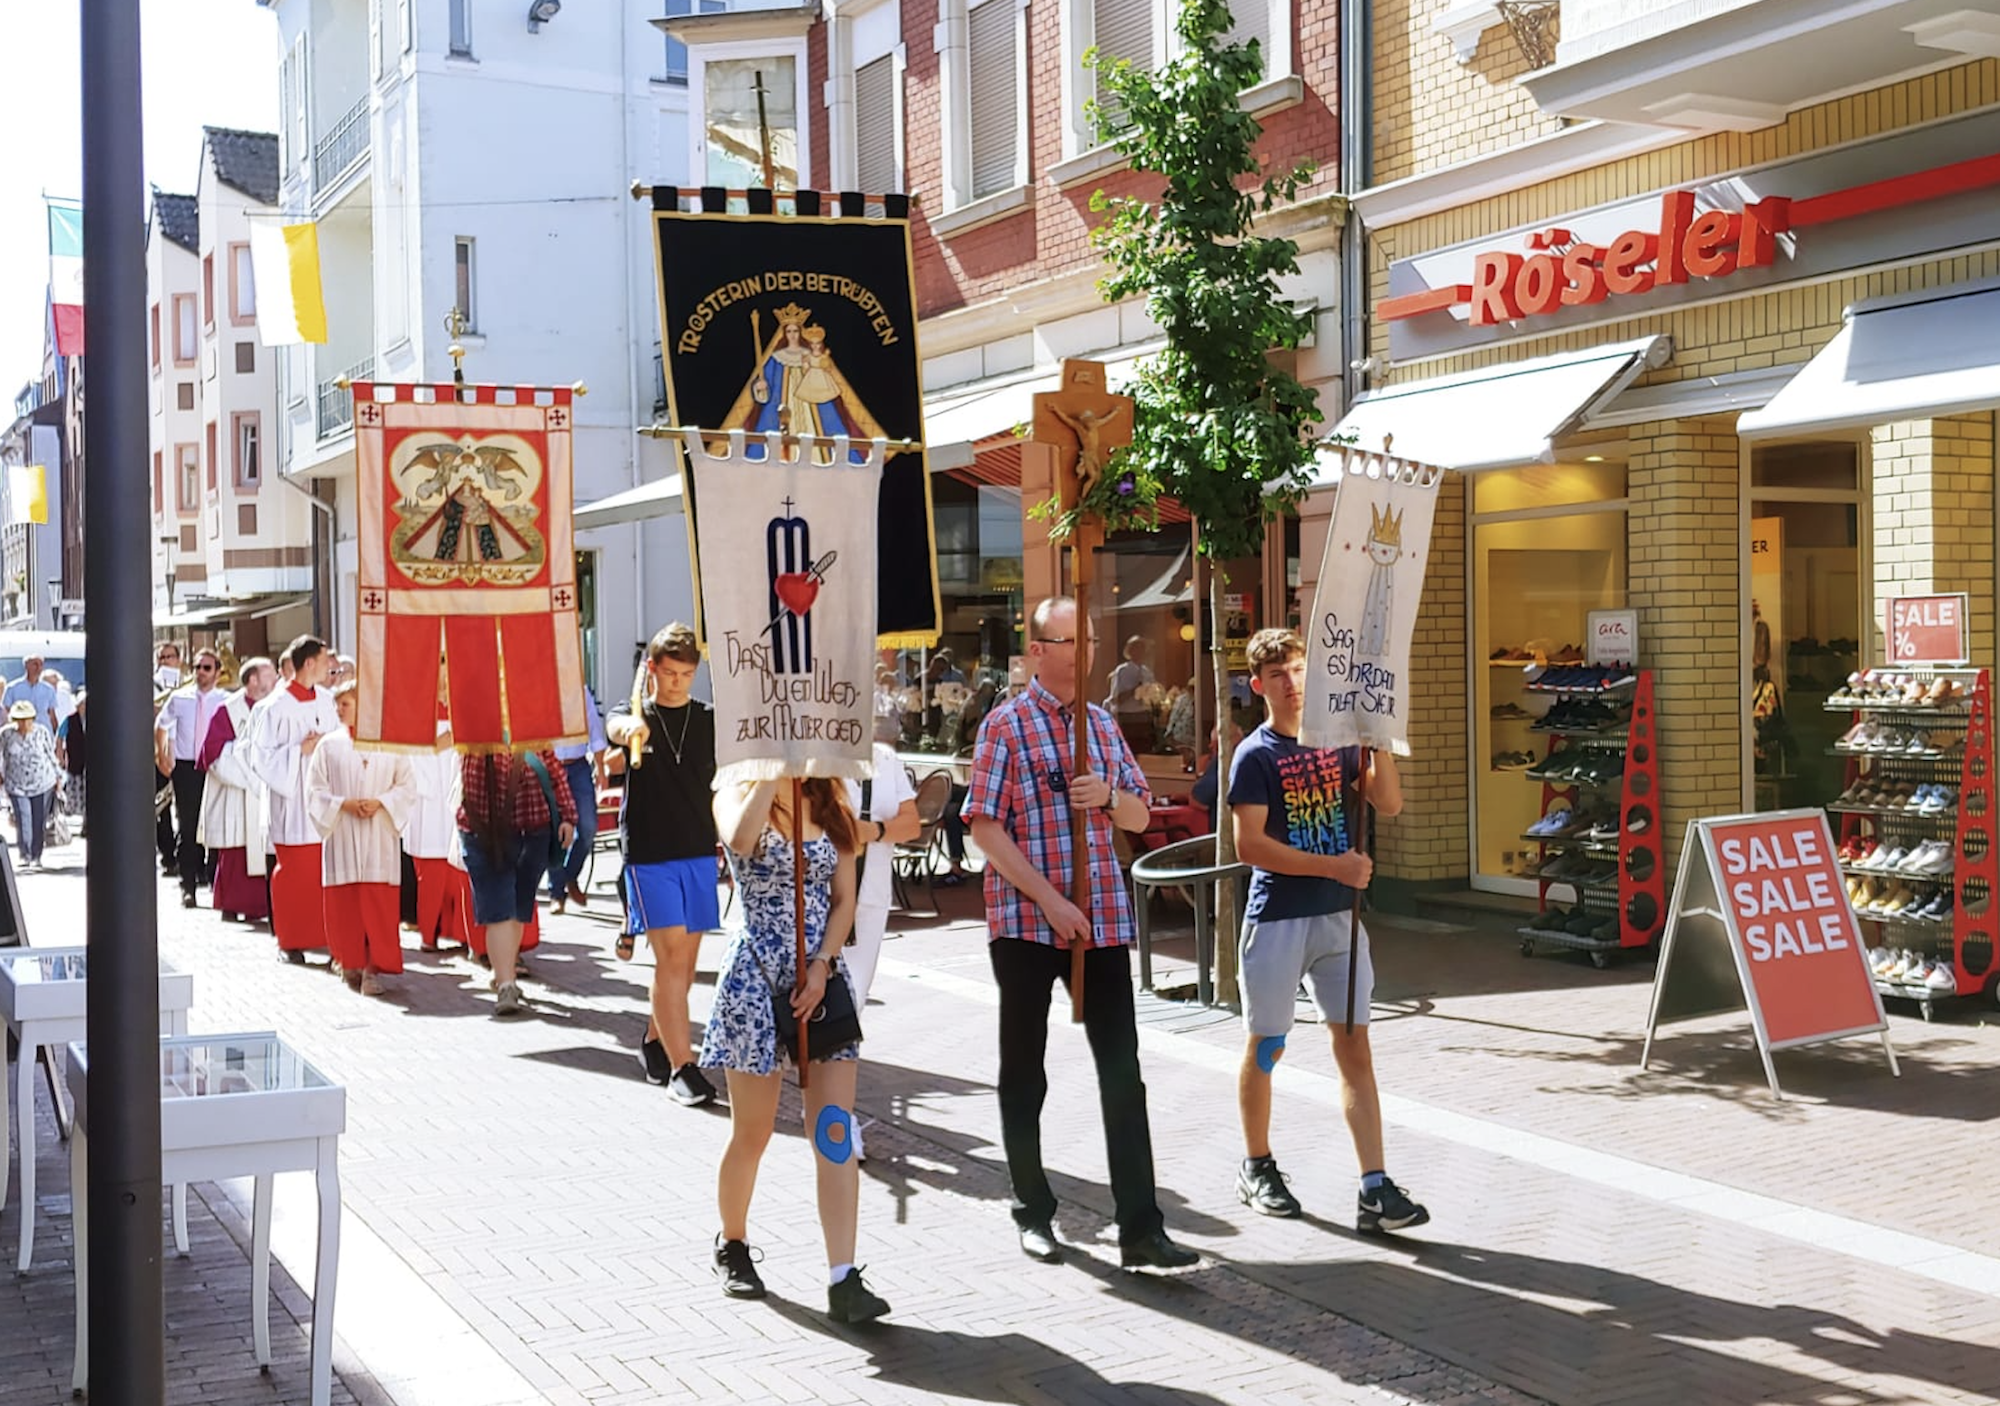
1269 1050
833 1135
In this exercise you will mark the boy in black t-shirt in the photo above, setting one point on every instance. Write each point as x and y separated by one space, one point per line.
667 828
1288 802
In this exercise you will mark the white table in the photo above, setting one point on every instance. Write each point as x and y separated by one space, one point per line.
232 1106
43 991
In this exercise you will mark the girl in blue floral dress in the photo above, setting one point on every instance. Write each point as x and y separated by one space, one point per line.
741 1039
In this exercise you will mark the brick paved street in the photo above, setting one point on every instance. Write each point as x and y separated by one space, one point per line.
529 1221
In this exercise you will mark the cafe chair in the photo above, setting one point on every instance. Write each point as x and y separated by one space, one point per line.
918 858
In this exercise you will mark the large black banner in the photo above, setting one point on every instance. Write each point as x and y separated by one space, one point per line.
807 325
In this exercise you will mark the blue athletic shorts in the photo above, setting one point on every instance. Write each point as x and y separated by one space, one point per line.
673 893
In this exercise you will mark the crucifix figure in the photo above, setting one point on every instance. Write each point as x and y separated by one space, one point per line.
1091 452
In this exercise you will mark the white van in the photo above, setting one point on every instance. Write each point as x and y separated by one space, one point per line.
61 650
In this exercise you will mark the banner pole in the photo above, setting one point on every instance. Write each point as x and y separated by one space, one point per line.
1360 895
1079 878
799 917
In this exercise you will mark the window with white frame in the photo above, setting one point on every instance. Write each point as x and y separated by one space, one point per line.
187 478
461 28
865 62
464 288
744 142
1142 32
249 446
1253 20
676 71
296 112
1130 30
875 126
994 103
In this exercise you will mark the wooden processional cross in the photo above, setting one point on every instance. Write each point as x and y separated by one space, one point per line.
1077 430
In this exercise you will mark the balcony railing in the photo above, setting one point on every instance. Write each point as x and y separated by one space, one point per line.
340 148
336 406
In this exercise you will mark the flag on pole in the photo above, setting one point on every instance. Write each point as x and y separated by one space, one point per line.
27 494
66 275
284 260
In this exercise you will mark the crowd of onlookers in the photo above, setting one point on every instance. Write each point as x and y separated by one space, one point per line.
44 757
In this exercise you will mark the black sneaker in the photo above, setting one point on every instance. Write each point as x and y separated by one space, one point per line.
653 1055
851 1301
690 1087
736 1268
1387 1208
1261 1187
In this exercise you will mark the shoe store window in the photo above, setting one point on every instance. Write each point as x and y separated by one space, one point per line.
1806 616
1548 547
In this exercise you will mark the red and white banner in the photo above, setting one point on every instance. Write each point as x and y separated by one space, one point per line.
466 561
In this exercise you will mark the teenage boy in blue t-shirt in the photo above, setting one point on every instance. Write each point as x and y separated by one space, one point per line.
1289 804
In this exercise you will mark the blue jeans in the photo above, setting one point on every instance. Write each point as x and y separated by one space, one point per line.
31 819
582 787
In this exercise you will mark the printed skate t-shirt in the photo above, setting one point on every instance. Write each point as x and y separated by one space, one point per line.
1302 789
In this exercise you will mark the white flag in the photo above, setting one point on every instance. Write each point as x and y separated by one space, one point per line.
1364 609
787 560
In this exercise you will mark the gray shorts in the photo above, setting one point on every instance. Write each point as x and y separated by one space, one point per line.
1277 956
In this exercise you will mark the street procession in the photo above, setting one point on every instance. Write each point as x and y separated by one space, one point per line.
771 651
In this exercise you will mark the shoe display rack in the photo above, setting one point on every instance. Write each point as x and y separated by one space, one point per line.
1598 835
1916 823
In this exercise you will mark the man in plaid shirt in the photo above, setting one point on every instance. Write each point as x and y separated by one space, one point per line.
1019 804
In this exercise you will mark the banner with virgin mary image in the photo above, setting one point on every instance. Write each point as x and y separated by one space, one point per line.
789 577
803 323
465 563
1364 608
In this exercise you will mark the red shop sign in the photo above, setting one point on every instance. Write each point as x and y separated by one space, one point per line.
1927 629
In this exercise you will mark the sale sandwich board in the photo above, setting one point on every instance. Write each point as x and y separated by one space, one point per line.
1761 918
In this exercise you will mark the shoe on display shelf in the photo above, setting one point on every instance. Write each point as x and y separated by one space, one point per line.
1550 921
1943 980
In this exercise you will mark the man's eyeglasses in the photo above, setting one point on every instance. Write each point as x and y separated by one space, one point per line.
1062 639
204 668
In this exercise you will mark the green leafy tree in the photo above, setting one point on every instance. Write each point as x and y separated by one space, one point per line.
1216 424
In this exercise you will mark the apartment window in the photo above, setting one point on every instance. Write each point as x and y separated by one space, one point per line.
246 358
211 455
184 395
296 113
187 477
248 430
993 98
1142 33
246 519
208 291
461 28
735 125
159 482
156 337
187 341
875 126
677 52
242 286
462 282
1120 29
1252 20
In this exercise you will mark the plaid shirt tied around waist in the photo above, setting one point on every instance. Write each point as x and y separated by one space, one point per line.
1020 778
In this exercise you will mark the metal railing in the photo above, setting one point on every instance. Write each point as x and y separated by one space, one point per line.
339 149
336 406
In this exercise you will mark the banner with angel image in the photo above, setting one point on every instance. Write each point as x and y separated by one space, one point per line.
465 563
1364 608
788 573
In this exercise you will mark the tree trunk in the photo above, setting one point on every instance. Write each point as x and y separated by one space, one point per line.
1225 835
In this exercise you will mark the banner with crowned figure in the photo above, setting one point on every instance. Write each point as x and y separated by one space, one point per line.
1364 608
465 563
796 314
788 570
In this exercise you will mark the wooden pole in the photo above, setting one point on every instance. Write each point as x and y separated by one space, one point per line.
1079 879
1361 814
799 917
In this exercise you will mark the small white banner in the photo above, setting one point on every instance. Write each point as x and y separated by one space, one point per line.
1364 608
787 560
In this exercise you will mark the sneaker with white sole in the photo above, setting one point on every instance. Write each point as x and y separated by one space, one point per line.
507 999
1388 1209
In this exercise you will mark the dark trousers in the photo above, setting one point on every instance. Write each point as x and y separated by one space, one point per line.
954 827
188 779
406 897
163 823
1026 973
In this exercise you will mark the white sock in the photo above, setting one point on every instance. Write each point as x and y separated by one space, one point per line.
837 1272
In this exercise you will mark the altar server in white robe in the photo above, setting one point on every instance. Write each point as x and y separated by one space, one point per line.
285 729
443 893
359 801
233 820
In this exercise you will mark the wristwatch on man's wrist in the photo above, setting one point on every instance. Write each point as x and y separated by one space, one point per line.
1111 802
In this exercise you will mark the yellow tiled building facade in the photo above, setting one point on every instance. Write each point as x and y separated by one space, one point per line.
1918 502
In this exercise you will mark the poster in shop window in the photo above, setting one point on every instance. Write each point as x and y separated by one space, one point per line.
805 324
1364 608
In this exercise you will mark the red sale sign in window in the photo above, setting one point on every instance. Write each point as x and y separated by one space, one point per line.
1795 928
1927 630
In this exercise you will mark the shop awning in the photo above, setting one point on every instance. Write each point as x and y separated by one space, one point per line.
960 418
648 500
1902 358
1499 416
214 611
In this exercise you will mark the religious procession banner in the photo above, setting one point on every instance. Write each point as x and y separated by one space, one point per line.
465 561
1364 609
804 324
789 576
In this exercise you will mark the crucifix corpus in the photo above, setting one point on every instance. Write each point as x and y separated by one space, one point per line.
1081 426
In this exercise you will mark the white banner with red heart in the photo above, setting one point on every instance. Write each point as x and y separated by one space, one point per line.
786 556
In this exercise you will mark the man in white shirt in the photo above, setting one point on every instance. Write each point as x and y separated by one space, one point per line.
178 734
285 730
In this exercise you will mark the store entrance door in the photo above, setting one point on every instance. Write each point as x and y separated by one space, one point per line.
1806 617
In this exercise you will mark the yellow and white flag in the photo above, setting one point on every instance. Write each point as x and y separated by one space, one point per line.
284 259
27 494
